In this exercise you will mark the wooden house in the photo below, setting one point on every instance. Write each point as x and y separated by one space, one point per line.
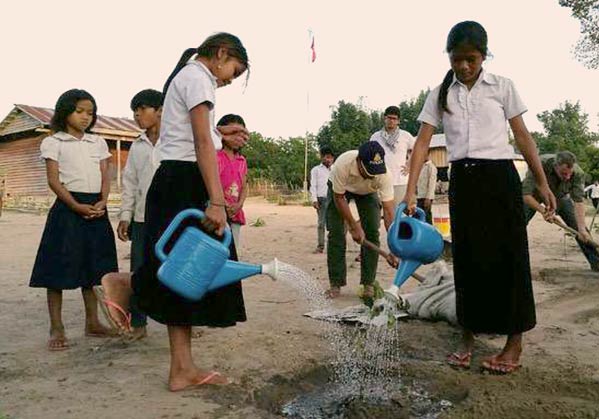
22 171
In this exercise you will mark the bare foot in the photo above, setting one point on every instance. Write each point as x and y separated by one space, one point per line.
184 380
497 365
508 360
504 362
98 330
113 297
58 341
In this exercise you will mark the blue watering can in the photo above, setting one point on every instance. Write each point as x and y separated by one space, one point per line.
414 242
198 263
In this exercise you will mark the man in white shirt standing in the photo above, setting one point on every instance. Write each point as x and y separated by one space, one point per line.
594 192
137 177
425 189
319 176
396 143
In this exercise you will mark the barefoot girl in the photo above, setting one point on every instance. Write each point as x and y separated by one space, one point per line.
77 246
186 178
490 248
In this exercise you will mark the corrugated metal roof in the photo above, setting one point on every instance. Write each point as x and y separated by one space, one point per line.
104 123
18 121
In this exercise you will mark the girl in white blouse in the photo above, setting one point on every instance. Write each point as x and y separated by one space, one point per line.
186 178
77 246
490 247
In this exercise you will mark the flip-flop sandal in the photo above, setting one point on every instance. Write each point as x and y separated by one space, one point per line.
205 381
494 366
209 377
460 360
63 347
104 303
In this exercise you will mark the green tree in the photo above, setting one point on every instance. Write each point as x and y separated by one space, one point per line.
259 152
587 13
280 161
566 128
288 164
349 127
592 164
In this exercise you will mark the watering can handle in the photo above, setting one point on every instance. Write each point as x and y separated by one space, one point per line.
419 214
166 236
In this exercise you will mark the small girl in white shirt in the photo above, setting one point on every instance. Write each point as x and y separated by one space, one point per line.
77 246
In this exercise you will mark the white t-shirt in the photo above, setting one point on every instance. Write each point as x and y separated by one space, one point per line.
136 180
319 178
193 85
594 190
477 126
78 160
396 159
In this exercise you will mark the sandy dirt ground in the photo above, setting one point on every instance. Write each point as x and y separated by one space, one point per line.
278 352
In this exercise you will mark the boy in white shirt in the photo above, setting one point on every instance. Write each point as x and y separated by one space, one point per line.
137 177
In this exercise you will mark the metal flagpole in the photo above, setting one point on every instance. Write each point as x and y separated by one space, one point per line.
305 188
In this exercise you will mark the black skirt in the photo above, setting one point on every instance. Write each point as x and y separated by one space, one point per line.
178 185
490 248
74 252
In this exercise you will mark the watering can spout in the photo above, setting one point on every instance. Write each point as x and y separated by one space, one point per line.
406 268
232 272
271 269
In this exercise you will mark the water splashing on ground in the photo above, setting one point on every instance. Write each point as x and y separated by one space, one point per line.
365 365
